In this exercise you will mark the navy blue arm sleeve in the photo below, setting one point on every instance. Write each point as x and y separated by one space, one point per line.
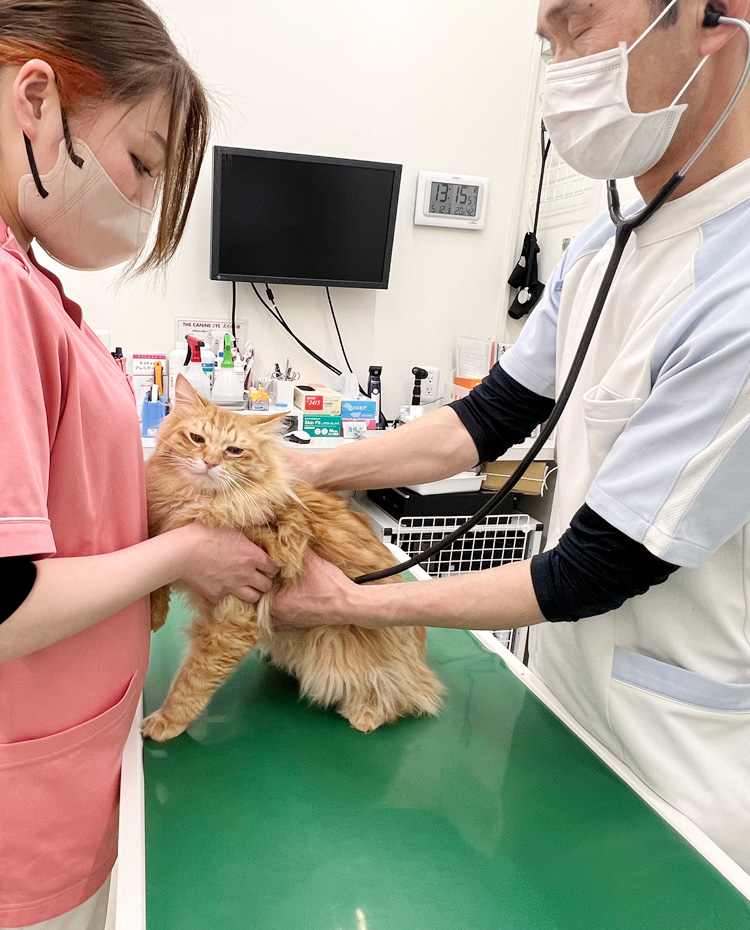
17 577
594 568
500 412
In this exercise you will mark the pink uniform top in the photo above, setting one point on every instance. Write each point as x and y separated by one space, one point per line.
71 484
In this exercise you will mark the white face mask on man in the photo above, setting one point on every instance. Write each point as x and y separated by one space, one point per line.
588 117
78 214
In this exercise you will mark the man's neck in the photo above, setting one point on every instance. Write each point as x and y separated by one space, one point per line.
730 146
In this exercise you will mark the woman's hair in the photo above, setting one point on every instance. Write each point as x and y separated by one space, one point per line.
119 51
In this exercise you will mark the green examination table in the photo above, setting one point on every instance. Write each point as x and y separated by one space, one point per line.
272 815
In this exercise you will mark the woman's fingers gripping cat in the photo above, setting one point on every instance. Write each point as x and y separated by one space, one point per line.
322 596
224 562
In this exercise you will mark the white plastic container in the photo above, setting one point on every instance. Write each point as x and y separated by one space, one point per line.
175 366
228 389
194 372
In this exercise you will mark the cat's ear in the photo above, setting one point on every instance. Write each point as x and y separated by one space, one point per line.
185 394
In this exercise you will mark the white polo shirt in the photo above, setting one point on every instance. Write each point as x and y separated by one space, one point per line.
655 439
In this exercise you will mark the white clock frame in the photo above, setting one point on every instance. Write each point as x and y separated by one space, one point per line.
422 215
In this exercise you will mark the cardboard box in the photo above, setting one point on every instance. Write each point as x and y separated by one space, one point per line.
360 409
531 482
316 398
350 429
321 425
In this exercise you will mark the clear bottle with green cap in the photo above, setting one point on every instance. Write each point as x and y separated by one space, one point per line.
227 390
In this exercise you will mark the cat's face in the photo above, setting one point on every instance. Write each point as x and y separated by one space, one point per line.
219 452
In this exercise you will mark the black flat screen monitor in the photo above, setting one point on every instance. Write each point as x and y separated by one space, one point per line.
280 218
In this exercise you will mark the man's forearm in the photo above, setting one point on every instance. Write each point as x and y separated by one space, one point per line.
428 449
495 599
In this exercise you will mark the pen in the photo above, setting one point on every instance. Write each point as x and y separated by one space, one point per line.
158 377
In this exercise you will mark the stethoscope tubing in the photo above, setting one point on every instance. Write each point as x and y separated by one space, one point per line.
624 228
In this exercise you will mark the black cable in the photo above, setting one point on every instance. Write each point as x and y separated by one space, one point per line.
234 313
280 320
621 239
338 331
341 341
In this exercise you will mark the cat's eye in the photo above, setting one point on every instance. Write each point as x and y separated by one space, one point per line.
197 439
234 450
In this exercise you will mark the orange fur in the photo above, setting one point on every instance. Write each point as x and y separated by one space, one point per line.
371 676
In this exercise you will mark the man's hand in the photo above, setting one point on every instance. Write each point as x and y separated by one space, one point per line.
322 596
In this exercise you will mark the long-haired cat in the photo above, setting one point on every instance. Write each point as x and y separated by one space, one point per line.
227 469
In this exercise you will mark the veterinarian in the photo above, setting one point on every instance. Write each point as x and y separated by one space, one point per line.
102 125
645 582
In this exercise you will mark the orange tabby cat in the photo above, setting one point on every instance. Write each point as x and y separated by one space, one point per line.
371 676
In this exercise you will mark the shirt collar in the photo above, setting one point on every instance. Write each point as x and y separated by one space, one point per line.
706 202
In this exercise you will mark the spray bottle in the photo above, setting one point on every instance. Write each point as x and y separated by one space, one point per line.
228 388
194 371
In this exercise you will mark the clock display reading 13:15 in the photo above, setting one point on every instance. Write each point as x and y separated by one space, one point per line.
454 199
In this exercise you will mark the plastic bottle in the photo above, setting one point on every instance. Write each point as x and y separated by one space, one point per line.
208 360
227 389
195 373
177 363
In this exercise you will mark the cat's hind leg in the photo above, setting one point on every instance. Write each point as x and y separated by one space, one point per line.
220 638
372 677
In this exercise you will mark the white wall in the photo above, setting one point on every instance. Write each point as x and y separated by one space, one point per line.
430 84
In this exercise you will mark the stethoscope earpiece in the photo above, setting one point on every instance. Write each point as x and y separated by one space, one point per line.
712 17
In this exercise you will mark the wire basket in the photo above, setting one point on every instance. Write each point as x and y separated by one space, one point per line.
496 540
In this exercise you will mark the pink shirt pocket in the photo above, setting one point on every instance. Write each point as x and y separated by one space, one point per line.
53 855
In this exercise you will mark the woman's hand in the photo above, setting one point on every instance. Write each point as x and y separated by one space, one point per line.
224 561
322 596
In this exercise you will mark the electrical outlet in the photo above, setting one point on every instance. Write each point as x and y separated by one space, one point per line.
211 332
431 385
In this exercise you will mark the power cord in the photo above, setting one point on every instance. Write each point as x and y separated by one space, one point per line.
276 314
341 341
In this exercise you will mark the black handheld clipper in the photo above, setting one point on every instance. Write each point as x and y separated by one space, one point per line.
373 390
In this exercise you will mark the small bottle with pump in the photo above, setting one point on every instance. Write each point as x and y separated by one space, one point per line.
194 372
227 390
208 360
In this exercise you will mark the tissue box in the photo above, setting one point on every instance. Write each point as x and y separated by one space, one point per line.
316 398
322 425
361 409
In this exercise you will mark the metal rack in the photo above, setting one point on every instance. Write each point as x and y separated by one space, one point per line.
496 540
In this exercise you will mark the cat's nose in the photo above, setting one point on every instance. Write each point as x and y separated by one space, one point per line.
210 464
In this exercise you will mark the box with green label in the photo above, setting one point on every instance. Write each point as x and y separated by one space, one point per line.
321 425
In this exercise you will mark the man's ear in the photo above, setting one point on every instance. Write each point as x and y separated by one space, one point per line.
36 103
714 36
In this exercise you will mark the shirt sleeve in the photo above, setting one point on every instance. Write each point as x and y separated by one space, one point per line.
532 360
17 577
500 412
676 478
31 391
594 568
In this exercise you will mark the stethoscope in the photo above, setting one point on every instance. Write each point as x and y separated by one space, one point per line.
624 228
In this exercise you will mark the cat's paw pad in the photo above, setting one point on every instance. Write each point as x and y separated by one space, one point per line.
157 727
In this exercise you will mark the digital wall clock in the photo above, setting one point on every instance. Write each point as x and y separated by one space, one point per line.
457 200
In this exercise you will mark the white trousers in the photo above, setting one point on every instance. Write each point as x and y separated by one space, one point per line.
91 915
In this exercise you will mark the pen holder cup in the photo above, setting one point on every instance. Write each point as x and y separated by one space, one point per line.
281 392
152 413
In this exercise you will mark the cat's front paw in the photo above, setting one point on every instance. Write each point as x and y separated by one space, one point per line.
158 727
